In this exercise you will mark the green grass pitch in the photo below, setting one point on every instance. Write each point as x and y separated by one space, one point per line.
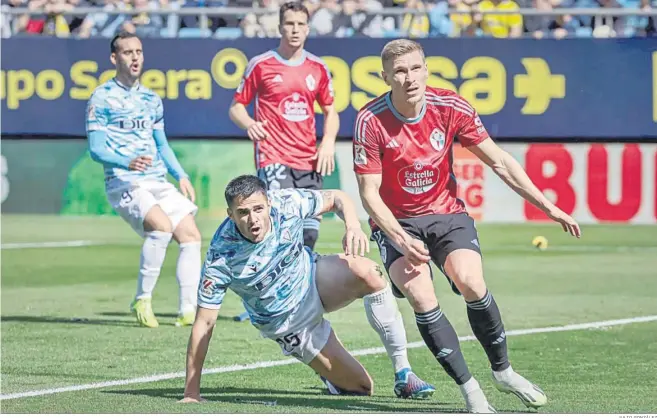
65 322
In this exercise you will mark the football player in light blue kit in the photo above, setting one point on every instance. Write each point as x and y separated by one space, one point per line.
125 128
258 252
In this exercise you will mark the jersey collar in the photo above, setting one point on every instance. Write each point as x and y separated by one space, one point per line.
135 87
399 115
290 63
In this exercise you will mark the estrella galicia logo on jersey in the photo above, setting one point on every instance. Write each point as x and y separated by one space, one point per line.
310 82
295 108
418 178
295 251
437 139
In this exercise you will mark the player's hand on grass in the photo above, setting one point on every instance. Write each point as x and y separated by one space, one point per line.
325 157
187 189
256 131
355 242
415 251
141 163
567 222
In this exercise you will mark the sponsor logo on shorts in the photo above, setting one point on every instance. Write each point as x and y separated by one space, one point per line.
418 178
295 108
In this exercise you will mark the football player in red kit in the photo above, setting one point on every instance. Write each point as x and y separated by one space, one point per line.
285 83
403 163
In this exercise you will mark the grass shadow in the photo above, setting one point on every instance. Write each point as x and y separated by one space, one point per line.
313 398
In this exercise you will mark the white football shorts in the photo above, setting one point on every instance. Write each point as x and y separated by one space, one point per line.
133 201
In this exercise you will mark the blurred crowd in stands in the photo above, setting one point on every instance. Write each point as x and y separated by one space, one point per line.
330 18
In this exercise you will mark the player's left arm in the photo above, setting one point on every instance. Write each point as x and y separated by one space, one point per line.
512 173
168 156
326 151
355 241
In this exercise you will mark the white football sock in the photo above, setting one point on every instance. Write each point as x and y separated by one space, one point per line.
152 256
188 273
383 315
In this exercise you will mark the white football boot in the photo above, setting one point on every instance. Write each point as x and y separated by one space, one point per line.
508 381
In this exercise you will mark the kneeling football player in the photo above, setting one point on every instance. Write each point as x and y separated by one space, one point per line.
258 252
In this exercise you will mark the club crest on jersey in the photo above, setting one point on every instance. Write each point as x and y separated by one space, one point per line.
310 82
437 139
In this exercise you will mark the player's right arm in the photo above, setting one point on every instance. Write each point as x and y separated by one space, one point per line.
96 127
245 93
367 165
215 279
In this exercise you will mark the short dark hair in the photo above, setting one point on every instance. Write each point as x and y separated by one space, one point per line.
120 35
243 187
294 6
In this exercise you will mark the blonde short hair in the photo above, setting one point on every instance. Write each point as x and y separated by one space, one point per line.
397 48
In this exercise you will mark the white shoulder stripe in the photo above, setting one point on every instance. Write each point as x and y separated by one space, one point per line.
255 61
318 60
364 115
458 101
451 103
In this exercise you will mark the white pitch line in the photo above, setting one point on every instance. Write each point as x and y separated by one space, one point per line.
57 244
529 248
268 364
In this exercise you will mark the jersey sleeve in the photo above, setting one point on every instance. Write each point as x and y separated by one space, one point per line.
215 279
248 87
366 147
303 203
470 130
97 113
325 93
158 123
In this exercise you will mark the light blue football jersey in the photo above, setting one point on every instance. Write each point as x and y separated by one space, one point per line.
128 116
273 276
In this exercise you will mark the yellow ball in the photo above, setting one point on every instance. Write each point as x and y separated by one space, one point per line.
540 242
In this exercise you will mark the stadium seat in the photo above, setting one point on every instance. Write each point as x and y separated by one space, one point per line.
194 33
228 33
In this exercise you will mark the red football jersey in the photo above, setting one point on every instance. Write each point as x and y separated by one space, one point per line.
285 93
415 156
